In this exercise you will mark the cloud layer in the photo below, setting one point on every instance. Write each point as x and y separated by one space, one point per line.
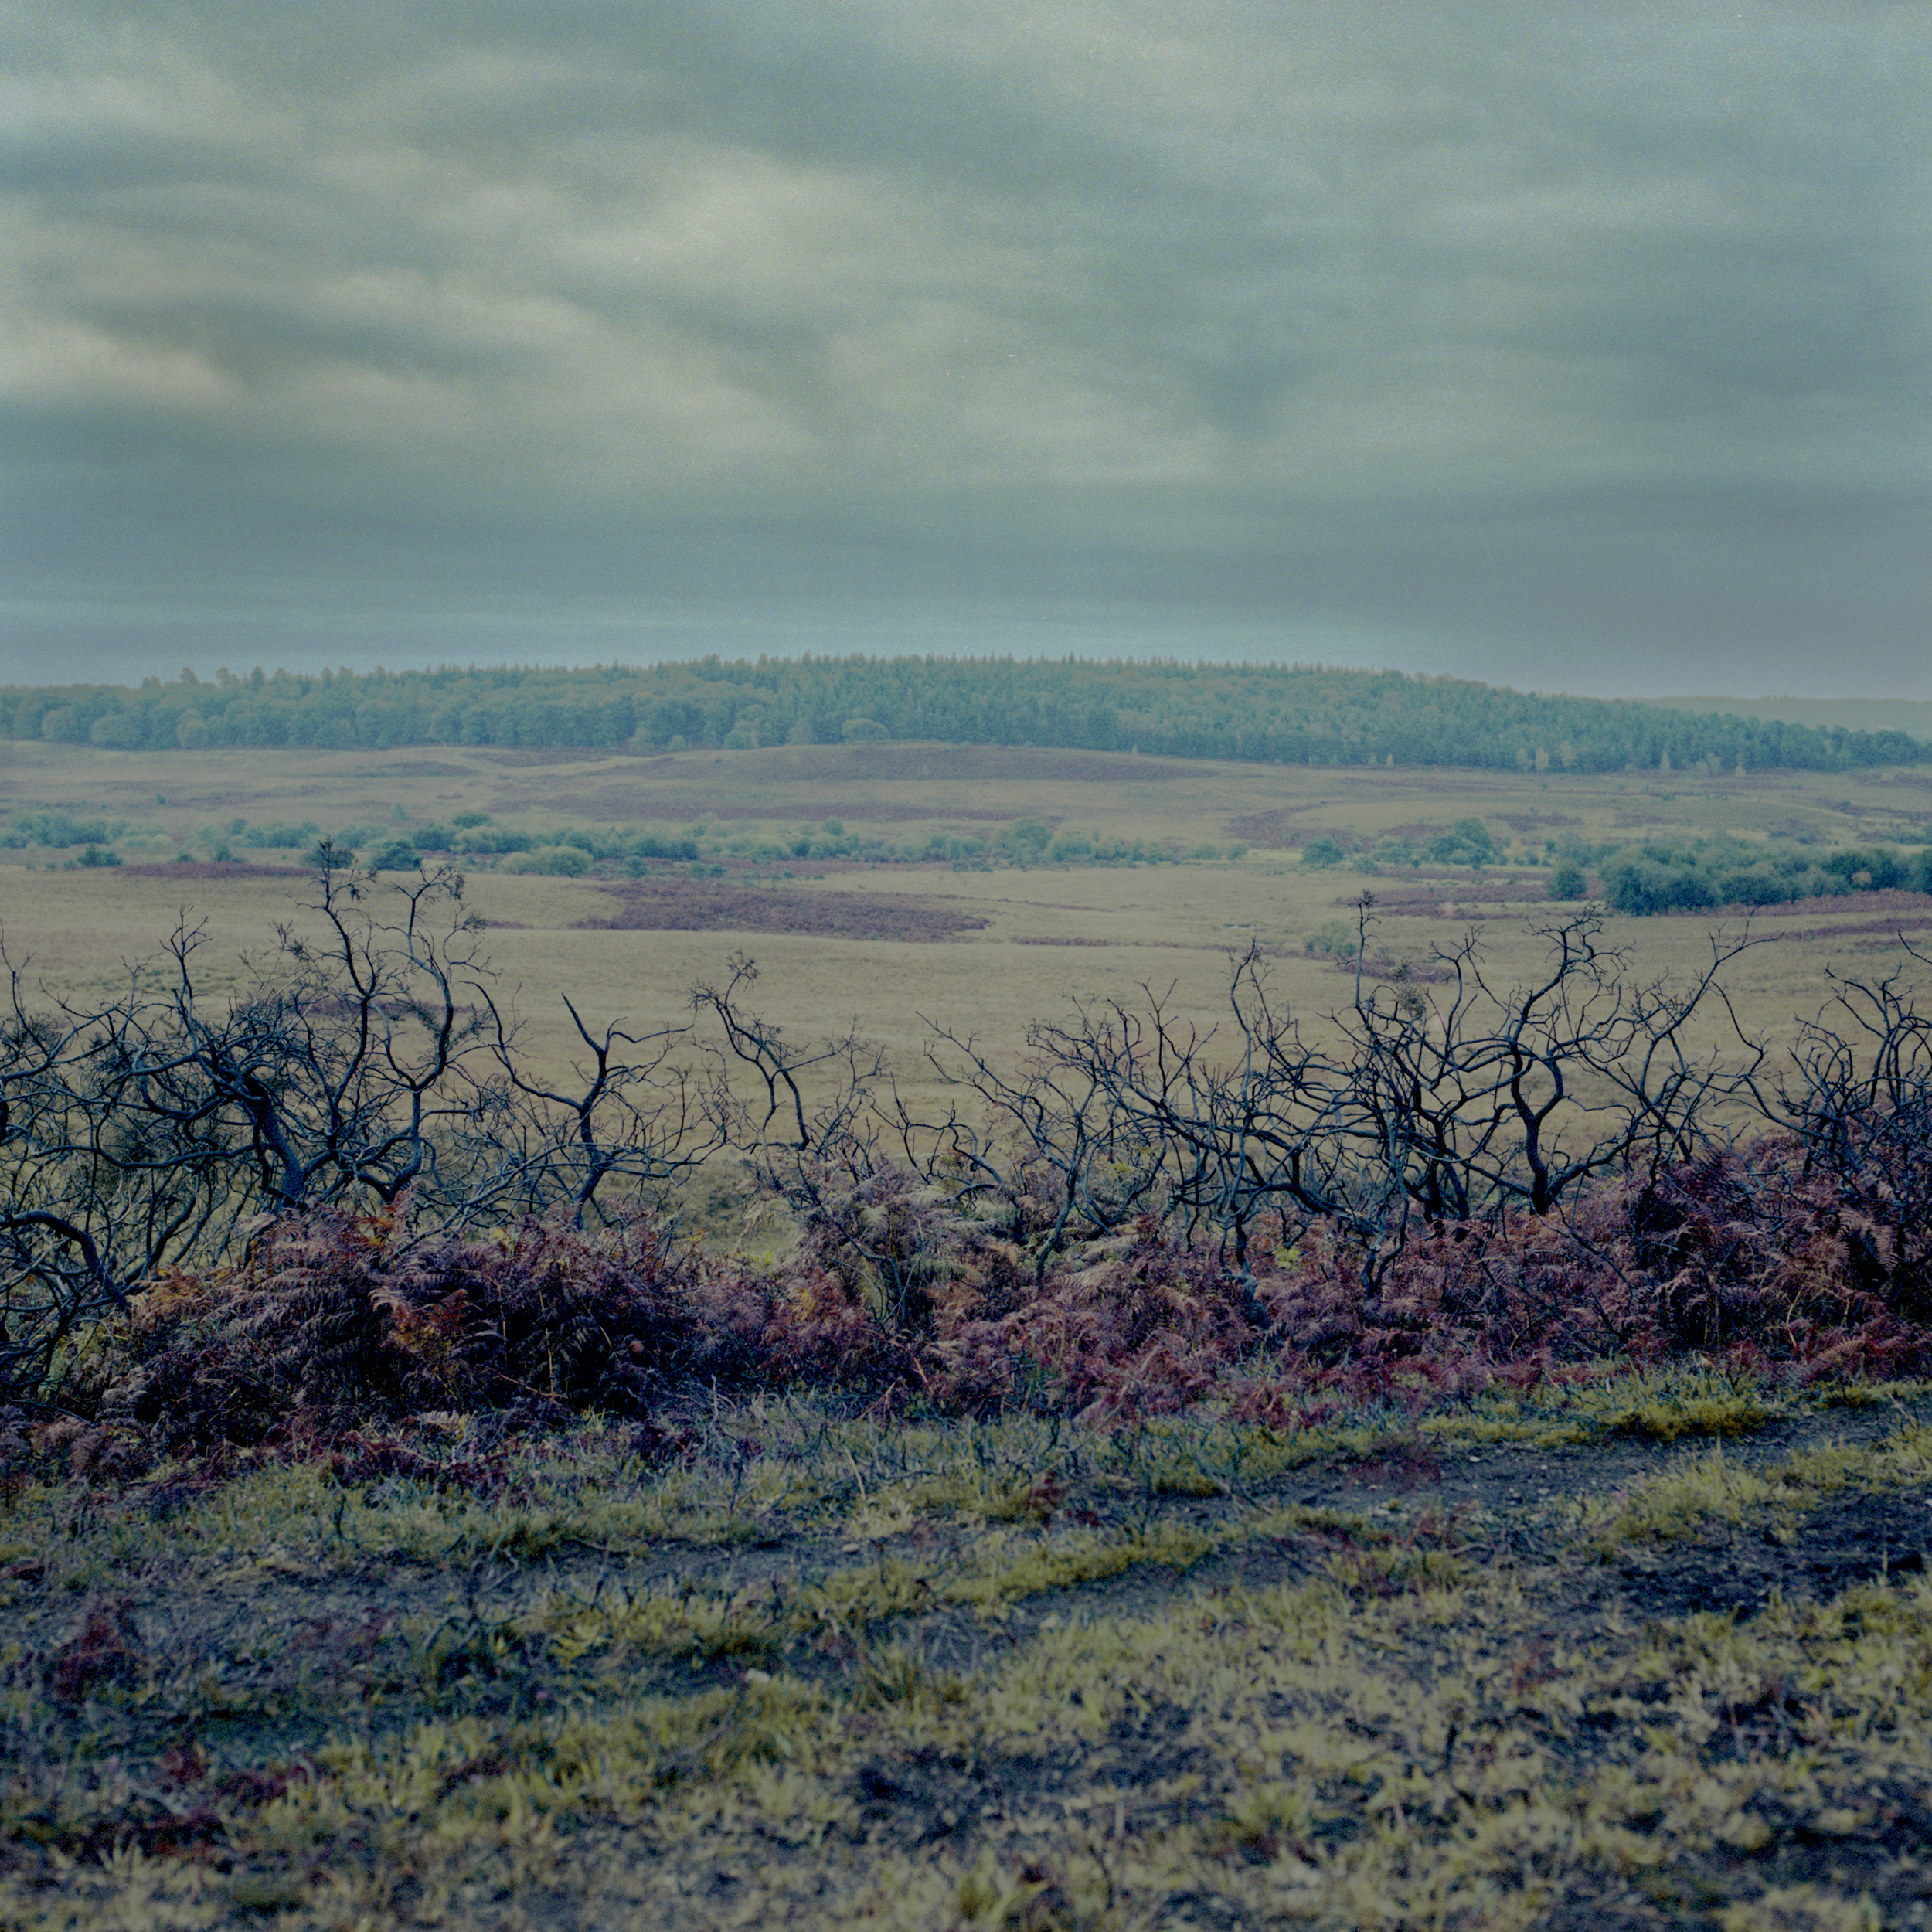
1499 334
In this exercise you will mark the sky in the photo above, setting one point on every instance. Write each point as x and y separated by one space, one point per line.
1579 347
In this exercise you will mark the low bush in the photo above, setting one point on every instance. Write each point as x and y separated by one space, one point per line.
1337 936
335 1318
1654 877
342 1198
561 861
1468 842
397 854
336 1321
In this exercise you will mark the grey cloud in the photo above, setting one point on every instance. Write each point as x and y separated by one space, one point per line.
1462 320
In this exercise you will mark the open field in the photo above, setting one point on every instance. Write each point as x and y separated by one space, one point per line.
1049 932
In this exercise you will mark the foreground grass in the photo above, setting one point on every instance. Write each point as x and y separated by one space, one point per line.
1653 1651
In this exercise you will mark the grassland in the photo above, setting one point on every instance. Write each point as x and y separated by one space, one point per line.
1635 1646
1520 1664
1049 931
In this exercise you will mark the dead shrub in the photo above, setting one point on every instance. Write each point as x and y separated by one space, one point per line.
336 1319
1741 1257
338 1329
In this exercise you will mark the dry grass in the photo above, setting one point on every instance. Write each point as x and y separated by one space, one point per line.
1146 925
828 1671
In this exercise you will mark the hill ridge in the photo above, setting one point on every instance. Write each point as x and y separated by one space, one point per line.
1301 714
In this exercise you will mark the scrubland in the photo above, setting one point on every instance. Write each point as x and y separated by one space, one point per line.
856 1550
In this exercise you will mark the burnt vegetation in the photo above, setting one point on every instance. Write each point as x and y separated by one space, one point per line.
329 1185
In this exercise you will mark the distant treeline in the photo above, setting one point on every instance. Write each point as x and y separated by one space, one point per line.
1275 714
1913 715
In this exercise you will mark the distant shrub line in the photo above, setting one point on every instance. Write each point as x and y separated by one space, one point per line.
1653 878
1275 714
1641 878
479 841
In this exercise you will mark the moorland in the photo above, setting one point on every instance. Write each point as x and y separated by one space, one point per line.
880 917
976 1516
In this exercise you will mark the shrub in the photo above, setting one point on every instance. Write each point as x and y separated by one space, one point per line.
650 845
279 837
118 731
563 862
334 1318
1468 842
486 837
1636 885
1134 1227
60 829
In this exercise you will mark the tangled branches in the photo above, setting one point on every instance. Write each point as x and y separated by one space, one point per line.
365 1059
1443 1105
368 1065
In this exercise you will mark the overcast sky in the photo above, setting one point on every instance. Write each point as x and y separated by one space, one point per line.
1576 346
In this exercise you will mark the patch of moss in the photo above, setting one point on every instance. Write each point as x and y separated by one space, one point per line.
1662 1405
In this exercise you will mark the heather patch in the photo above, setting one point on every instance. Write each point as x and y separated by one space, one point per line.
670 905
